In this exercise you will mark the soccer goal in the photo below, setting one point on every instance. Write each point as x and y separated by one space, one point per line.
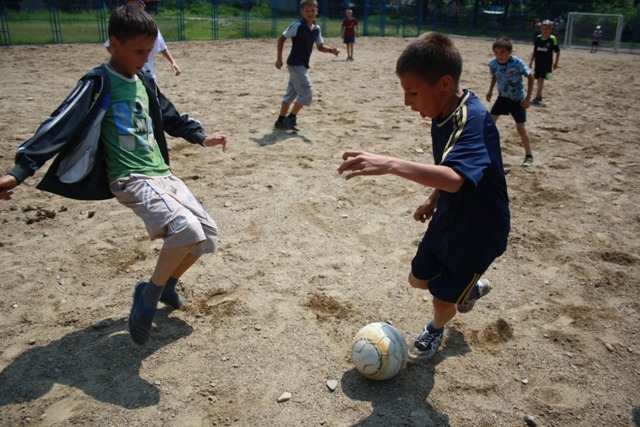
581 27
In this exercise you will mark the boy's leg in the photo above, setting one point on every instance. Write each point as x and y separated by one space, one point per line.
173 262
426 344
443 312
539 87
524 137
284 109
170 296
291 121
147 294
188 232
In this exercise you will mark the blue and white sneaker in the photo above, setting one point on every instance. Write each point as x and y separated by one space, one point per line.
481 288
425 346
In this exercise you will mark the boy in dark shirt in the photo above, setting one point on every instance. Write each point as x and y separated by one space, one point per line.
543 48
468 210
303 34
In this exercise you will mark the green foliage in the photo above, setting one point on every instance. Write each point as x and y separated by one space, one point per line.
199 8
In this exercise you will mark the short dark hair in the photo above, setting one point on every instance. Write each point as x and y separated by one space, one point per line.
503 43
128 22
430 57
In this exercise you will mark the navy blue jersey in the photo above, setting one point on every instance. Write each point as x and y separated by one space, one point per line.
470 227
303 38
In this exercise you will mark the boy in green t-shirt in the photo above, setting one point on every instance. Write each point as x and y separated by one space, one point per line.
129 161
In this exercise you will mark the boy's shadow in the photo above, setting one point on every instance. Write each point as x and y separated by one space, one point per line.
403 398
100 360
278 135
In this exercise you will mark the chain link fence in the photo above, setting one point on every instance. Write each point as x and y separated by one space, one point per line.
77 21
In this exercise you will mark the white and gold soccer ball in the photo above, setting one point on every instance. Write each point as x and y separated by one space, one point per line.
379 351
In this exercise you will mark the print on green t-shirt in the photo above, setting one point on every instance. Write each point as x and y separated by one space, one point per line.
127 131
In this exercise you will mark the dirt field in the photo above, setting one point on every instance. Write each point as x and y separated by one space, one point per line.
308 258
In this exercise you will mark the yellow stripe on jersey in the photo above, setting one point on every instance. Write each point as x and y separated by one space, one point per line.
459 116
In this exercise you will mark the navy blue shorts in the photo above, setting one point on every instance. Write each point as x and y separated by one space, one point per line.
444 283
505 106
348 40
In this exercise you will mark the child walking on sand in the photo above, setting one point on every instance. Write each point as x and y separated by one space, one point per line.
507 71
349 32
303 34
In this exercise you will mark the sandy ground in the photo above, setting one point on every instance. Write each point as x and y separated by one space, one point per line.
308 258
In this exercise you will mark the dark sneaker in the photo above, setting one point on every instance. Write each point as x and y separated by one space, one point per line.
425 346
291 123
528 161
483 287
280 125
173 299
537 100
140 317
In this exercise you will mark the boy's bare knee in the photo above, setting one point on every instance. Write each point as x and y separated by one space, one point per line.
417 283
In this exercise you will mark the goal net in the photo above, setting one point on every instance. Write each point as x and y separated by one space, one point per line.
582 26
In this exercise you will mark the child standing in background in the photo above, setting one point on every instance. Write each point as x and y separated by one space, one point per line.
543 48
349 32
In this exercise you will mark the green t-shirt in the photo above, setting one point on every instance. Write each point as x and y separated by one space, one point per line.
127 131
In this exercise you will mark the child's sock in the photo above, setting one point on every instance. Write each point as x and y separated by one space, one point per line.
170 286
433 330
151 295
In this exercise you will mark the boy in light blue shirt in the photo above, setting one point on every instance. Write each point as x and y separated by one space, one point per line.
507 71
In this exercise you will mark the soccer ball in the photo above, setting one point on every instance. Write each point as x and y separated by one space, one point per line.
379 351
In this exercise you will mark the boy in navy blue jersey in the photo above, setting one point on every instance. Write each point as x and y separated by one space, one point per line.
303 34
468 208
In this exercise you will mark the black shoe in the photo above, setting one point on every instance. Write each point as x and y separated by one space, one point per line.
537 100
291 123
280 125
528 161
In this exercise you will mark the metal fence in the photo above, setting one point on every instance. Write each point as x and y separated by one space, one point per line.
78 21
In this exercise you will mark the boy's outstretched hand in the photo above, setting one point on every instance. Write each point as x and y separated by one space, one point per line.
7 183
363 163
213 140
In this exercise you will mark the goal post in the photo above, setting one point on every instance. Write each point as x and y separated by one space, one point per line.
581 26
